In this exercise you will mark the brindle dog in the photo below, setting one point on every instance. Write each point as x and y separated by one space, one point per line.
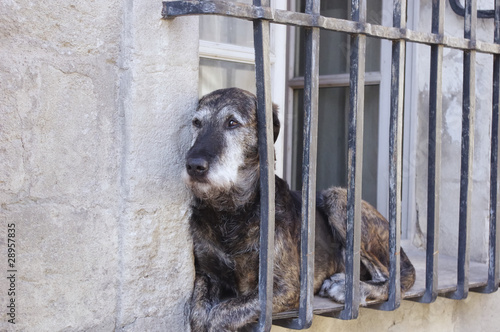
222 171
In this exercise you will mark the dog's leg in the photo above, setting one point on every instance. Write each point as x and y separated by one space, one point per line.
206 294
234 313
374 249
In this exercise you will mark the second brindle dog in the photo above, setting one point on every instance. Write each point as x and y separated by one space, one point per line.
222 171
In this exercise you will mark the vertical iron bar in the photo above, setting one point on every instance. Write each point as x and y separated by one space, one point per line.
309 162
311 96
434 156
395 151
355 162
266 155
494 246
494 236
468 101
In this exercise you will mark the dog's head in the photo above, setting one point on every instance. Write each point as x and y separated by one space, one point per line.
222 165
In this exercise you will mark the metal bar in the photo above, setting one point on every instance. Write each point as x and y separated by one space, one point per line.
307 239
173 9
434 157
468 110
355 163
309 161
494 236
267 183
460 10
311 97
494 245
494 231
395 153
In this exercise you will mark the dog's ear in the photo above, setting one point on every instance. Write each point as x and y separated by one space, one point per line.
276 122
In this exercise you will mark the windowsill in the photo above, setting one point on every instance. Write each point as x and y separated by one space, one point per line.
447 279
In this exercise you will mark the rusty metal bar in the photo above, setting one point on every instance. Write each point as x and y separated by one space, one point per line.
494 238
309 160
434 157
355 164
494 234
468 111
395 155
266 155
251 12
459 9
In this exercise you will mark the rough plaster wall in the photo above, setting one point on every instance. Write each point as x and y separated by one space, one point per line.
451 138
94 97
476 313
156 262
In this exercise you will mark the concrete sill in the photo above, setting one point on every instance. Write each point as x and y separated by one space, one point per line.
447 279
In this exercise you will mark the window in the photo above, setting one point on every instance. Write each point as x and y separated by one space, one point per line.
334 104
226 54
333 83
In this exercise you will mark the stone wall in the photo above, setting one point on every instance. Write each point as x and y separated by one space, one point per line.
95 97
92 126
451 137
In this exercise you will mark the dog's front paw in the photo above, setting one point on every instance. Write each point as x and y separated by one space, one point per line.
334 288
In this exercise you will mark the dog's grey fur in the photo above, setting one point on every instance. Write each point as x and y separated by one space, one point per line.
222 171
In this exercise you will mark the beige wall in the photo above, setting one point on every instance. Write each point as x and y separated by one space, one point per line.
92 126
451 137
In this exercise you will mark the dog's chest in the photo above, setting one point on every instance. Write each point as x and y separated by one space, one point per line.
235 237
241 244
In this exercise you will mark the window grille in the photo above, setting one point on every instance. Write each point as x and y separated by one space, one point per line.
263 15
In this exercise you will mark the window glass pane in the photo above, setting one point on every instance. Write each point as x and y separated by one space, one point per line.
336 9
227 30
217 74
335 46
333 52
372 58
332 140
374 12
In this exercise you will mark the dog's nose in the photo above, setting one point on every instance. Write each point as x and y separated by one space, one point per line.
197 166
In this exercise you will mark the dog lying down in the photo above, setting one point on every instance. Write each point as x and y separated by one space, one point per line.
222 171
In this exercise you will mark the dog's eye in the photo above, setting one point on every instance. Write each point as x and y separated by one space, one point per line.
197 123
232 123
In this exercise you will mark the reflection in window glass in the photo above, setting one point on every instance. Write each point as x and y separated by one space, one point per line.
332 140
217 74
227 30
334 53
335 46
